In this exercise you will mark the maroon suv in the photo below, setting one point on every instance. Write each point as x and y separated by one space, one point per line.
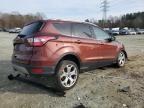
61 49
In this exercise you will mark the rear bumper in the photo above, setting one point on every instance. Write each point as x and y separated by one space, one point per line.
27 69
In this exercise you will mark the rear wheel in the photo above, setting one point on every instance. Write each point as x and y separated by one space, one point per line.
121 59
67 75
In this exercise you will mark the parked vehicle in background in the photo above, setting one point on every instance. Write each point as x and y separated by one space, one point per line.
124 32
1 29
132 32
140 31
61 49
115 31
15 30
5 30
127 31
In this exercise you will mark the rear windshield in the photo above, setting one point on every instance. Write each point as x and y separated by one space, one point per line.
31 29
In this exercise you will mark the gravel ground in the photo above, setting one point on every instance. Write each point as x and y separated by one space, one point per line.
107 87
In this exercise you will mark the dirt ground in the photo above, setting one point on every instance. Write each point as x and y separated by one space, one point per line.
101 88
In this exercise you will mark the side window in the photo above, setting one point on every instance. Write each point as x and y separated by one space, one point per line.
82 30
100 34
63 28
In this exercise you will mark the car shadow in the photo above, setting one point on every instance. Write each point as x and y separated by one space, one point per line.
26 85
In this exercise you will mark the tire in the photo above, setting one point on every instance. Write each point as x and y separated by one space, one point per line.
67 74
121 59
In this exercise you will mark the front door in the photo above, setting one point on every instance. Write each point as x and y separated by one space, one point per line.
107 49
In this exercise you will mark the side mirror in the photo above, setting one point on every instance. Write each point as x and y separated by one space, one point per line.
111 38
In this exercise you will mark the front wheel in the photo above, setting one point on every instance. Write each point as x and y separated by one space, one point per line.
67 75
121 59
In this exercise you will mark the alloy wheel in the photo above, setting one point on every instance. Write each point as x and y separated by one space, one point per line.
68 75
121 59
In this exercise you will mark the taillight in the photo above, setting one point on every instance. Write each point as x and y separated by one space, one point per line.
40 40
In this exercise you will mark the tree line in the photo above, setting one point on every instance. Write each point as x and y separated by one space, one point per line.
15 19
131 20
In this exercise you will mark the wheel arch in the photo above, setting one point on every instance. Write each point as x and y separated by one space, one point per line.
125 53
69 56
122 50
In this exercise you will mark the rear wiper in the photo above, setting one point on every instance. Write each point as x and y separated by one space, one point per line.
21 35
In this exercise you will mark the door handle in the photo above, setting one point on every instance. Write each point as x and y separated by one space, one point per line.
102 44
78 42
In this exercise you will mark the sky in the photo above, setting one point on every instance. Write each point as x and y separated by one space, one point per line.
71 9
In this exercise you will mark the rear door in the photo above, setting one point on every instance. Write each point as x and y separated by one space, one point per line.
107 49
22 50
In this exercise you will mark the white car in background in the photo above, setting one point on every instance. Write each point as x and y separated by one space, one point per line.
15 30
115 31
140 31
132 32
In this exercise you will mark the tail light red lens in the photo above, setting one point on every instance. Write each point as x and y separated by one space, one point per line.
40 40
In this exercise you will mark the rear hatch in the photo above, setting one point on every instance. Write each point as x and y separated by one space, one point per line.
23 51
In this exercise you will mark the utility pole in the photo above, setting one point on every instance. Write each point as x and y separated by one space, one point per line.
104 10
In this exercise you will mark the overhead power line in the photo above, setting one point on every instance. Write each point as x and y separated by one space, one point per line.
105 9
